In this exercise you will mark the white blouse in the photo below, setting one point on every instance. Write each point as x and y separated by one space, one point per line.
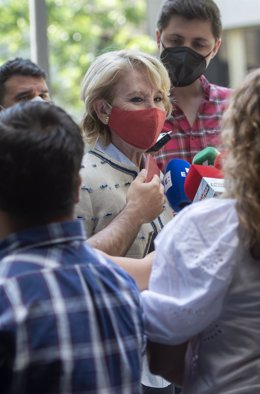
193 267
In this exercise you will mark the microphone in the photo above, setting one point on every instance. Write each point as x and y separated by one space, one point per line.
219 160
206 156
203 182
151 167
161 141
174 178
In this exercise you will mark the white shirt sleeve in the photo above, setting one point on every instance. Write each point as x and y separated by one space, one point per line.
193 267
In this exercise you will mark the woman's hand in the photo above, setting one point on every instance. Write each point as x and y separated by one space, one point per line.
145 199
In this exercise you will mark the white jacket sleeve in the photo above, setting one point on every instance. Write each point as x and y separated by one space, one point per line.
193 267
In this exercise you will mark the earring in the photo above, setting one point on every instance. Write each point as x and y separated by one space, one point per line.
106 119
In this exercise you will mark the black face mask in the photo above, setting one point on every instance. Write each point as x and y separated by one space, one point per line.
183 64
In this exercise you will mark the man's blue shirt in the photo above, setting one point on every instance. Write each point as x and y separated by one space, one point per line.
70 320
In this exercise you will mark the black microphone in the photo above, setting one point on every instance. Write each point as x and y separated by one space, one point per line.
161 141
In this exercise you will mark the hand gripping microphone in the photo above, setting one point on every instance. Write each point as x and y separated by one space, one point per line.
203 182
206 156
174 178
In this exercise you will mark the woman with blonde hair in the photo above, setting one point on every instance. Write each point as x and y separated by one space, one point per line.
100 83
204 286
126 103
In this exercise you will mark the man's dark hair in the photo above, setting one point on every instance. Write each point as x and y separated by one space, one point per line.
205 10
41 149
18 66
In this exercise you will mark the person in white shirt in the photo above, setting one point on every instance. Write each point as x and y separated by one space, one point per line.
202 307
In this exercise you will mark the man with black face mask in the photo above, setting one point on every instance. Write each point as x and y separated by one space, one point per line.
188 37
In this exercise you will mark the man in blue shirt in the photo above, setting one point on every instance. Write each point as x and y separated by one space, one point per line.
70 320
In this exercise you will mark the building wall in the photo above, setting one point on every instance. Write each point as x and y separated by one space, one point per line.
239 13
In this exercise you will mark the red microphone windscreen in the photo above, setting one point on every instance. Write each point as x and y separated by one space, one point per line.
219 160
195 175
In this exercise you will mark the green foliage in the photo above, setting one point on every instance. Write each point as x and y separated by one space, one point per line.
77 31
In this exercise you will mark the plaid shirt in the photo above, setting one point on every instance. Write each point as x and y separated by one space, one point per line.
186 141
70 320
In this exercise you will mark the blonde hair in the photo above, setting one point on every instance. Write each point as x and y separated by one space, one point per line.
241 139
103 75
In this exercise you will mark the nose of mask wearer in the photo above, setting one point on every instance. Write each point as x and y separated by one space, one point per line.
37 98
183 64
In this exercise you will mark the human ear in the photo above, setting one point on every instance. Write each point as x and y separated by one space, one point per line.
216 47
158 38
102 110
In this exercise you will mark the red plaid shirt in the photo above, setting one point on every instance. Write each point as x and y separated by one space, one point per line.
186 141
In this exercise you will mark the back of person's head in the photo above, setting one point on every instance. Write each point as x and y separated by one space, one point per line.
241 139
204 10
18 66
104 74
41 149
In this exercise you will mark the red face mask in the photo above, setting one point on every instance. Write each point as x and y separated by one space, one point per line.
139 128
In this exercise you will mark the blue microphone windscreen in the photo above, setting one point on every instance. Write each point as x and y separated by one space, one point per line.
174 178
